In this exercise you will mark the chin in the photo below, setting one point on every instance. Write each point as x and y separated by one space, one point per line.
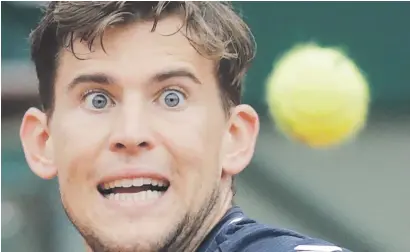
126 240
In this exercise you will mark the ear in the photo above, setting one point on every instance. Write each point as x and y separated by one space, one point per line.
240 139
37 144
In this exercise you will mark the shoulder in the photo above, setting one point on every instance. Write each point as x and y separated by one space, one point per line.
238 233
249 236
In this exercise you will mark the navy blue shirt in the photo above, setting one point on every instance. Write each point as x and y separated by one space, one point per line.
237 233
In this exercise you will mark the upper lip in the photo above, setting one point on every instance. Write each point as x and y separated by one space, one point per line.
131 174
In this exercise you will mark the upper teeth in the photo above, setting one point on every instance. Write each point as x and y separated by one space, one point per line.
133 182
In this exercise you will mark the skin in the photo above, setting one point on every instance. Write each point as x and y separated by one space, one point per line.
195 145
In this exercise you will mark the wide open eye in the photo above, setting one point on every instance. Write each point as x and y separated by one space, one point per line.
97 100
172 98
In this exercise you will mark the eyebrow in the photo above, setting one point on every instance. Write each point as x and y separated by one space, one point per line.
103 79
99 78
162 76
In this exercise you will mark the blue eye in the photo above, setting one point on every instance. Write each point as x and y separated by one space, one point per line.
97 101
172 98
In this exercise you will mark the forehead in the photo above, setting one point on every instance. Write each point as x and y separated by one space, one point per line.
134 49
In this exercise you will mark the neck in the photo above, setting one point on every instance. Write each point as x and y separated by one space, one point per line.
87 248
220 209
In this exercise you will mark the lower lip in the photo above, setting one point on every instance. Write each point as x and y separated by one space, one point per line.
134 206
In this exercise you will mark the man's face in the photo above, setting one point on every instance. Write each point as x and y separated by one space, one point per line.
147 113
138 138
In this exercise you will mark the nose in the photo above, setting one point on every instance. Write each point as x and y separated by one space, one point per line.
132 134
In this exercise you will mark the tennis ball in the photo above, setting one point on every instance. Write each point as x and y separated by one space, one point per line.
317 95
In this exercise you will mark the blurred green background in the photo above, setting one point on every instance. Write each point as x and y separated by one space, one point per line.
355 195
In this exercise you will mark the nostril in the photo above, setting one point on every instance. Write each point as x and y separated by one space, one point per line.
143 144
128 146
119 146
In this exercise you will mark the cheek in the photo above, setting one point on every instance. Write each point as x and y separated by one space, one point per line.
77 140
193 138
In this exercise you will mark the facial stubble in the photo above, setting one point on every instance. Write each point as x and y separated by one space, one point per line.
179 239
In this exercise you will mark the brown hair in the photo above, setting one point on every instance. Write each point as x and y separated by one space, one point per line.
213 29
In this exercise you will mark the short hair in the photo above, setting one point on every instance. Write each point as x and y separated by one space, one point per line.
214 29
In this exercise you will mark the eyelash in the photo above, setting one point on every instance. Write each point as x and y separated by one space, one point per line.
172 88
93 91
158 94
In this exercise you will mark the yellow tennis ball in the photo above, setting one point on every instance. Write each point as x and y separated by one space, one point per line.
318 95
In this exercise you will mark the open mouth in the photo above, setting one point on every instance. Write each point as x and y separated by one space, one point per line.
137 189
